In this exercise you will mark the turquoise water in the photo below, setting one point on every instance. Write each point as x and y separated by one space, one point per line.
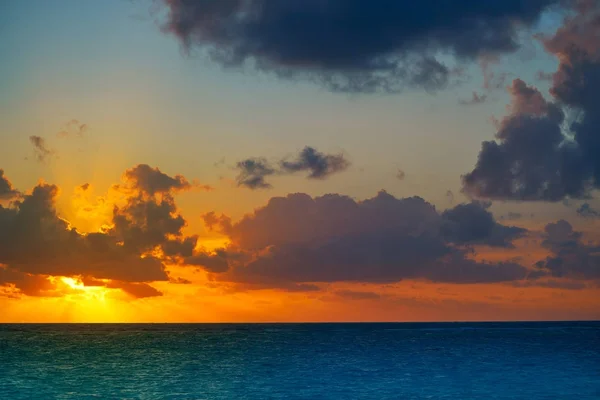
301 361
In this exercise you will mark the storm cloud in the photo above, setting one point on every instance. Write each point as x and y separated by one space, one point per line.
352 45
550 149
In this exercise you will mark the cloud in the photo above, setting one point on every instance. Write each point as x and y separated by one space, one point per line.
475 99
27 284
216 262
586 211
184 246
552 284
150 220
7 191
491 79
35 240
319 165
180 281
300 239
137 290
351 45
254 171
42 152
473 223
152 181
217 222
73 128
358 295
145 231
549 149
571 257
143 224
134 289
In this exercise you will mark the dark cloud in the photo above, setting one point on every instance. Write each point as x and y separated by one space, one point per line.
319 165
301 239
145 223
475 99
473 223
571 257
27 284
152 181
352 45
134 289
217 222
145 232
42 152
35 240
137 290
254 171
586 211
550 149
216 262
6 189
184 246
150 219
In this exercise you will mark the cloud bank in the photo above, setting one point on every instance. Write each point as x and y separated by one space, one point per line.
299 239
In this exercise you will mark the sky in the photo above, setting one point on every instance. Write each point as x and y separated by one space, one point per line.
217 161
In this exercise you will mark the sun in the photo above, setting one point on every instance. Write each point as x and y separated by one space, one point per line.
89 292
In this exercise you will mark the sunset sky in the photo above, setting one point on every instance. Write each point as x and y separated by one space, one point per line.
299 160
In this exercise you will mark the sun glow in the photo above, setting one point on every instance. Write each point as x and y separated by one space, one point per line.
89 292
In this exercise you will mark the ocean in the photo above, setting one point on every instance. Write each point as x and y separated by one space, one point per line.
559 360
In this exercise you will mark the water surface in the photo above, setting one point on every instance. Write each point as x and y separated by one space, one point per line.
301 361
